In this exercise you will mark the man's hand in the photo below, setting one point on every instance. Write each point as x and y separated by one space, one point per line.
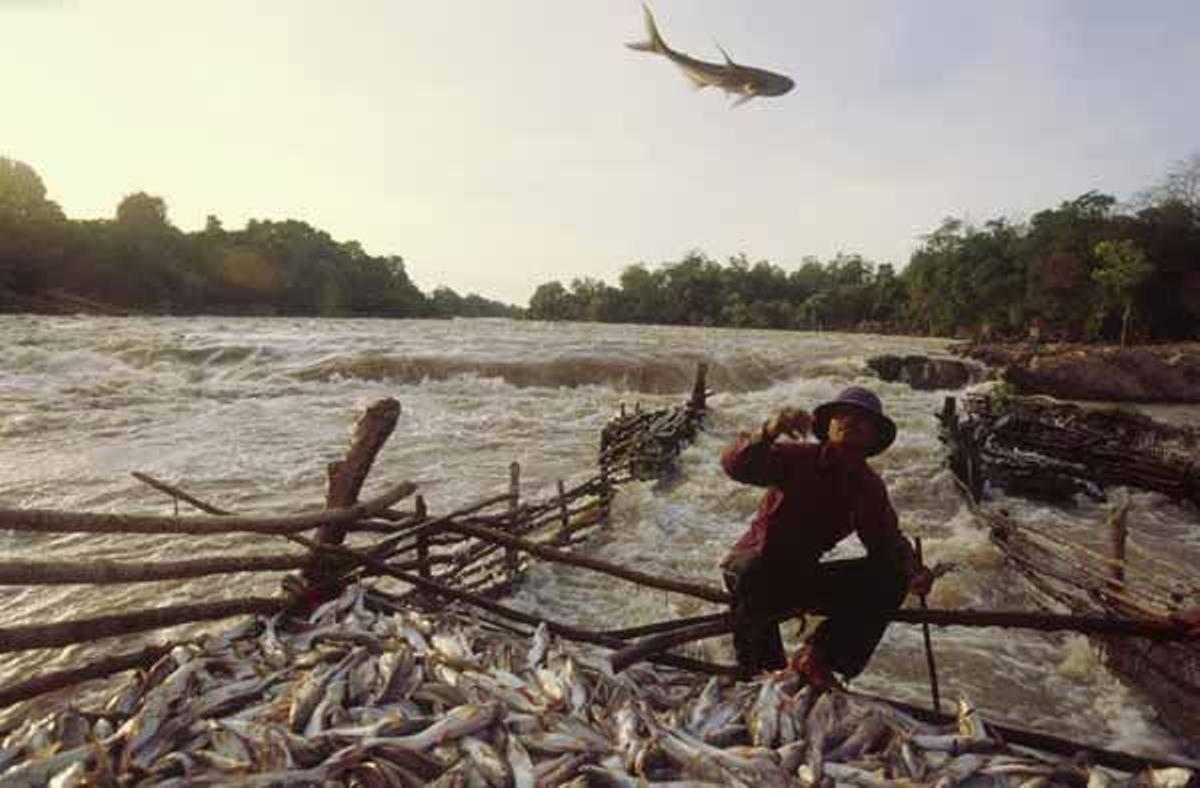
921 582
1188 621
793 422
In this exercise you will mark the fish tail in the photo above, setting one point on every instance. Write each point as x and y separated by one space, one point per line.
654 42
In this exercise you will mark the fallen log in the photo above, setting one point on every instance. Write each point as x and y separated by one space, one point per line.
52 521
100 572
63 633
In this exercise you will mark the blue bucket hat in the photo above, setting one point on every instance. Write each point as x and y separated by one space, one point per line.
861 399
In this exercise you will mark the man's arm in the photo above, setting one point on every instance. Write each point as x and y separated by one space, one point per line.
748 459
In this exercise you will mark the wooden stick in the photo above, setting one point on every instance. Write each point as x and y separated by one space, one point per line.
177 493
62 633
656 644
100 572
708 593
1043 622
933 680
59 679
663 626
51 521
388 547
1112 759
514 503
563 630
346 476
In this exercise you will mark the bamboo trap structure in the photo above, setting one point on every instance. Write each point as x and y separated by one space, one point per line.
1048 450
1063 571
471 555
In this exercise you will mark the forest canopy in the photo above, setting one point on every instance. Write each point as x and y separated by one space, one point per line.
1088 269
139 262
1085 270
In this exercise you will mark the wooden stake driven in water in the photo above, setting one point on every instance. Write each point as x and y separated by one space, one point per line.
933 682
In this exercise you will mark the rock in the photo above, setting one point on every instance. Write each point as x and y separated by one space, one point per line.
1145 373
926 373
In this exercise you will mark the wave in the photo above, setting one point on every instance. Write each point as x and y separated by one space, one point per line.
659 375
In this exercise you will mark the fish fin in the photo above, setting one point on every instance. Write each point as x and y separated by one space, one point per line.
742 99
728 59
654 41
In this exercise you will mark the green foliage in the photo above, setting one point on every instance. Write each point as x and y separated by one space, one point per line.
1122 270
140 261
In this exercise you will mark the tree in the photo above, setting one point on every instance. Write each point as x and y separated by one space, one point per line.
1180 185
550 302
1123 267
143 211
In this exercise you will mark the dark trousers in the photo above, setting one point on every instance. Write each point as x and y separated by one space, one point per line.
855 595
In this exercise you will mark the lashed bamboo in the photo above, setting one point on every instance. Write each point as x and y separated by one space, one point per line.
52 521
85 630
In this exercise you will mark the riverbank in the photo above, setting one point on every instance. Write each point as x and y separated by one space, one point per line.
1166 373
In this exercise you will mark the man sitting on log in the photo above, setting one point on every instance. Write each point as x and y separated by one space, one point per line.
817 495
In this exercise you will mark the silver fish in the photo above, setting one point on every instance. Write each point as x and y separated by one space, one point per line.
745 82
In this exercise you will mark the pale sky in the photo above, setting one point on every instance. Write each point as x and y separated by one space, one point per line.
496 144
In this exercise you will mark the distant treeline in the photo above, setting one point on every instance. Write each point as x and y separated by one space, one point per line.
1085 270
139 262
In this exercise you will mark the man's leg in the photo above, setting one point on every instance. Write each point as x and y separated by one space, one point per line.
758 595
855 595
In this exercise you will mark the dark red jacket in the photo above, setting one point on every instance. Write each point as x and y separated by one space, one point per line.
813 501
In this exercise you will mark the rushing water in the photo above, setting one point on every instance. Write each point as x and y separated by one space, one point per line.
246 412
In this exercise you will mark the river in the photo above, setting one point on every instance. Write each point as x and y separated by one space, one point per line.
246 412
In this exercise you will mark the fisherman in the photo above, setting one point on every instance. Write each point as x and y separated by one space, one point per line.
817 495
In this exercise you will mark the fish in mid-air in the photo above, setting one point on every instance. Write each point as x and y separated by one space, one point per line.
744 81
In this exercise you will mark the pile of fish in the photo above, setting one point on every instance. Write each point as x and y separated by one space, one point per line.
364 695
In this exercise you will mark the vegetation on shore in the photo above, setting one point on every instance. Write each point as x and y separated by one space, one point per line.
1088 270
139 262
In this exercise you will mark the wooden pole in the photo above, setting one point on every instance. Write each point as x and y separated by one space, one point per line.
708 593
51 521
346 476
100 572
563 511
423 541
564 630
63 633
933 680
514 504
1121 761
1043 622
1118 532
177 493
60 679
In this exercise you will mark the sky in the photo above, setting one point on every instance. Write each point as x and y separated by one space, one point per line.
499 144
